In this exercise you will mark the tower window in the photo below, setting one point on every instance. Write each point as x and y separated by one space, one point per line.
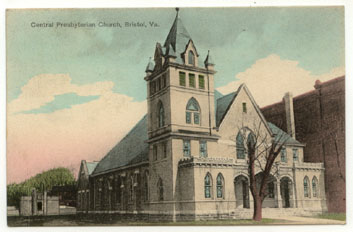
182 79
283 155
295 154
203 148
164 149
153 87
164 81
192 80
160 190
186 148
193 112
154 152
191 57
244 107
158 84
160 115
201 82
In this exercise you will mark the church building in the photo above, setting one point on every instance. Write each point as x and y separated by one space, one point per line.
187 157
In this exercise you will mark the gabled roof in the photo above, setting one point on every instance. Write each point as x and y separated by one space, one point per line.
132 149
224 103
281 136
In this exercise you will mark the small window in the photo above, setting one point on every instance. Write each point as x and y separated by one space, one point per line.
208 185
203 149
240 146
160 190
314 184
191 58
188 117
160 115
131 195
182 78
164 150
201 82
271 190
158 84
154 152
196 118
284 155
192 80
306 186
164 81
153 87
186 148
244 107
146 186
220 181
295 155
193 112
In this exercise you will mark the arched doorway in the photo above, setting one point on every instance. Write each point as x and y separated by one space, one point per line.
270 200
286 192
241 189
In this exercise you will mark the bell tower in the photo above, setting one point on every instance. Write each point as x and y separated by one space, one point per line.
181 111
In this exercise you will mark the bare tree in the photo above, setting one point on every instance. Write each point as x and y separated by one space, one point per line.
262 151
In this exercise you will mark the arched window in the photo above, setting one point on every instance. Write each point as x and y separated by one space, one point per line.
160 115
208 186
146 186
160 190
191 57
220 183
251 141
240 146
193 112
306 187
314 184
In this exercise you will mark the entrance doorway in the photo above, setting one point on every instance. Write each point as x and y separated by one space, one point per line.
241 186
286 184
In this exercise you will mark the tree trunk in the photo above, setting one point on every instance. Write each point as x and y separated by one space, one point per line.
257 209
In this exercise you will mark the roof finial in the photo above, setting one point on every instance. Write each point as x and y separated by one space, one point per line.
177 10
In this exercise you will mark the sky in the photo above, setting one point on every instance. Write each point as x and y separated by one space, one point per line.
73 93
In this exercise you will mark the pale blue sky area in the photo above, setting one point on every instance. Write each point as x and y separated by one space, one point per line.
63 101
236 37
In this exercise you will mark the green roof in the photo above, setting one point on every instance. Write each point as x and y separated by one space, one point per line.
222 106
281 136
132 149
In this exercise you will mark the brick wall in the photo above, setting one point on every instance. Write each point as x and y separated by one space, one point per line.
320 124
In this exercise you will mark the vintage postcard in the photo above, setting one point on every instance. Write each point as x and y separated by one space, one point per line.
176 116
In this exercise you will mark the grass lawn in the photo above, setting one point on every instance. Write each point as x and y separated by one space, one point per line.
333 216
100 220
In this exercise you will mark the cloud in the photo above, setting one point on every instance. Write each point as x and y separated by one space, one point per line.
36 142
270 78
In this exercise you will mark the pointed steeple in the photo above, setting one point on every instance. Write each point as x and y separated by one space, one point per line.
150 66
178 36
208 61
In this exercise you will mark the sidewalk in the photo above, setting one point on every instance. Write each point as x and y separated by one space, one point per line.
308 220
